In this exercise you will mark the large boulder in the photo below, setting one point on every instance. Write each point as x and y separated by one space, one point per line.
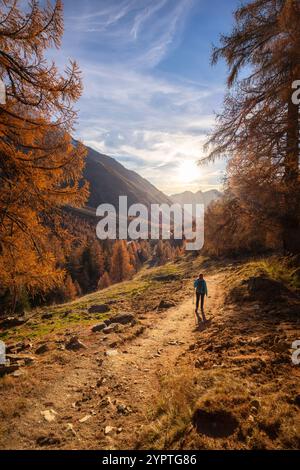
102 308
124 318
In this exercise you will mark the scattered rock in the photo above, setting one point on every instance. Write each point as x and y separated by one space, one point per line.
111 352
124 318
200 363
74 344
101 382
18 373
49 415
42 349
99 327
102 308
123 409
11 322
50 440
112 328
85 418
20 359
106 401
66 313
255 404
70 429
164 304
108 430
18 347
47 316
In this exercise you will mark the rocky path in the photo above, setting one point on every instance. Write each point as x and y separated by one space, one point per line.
100 397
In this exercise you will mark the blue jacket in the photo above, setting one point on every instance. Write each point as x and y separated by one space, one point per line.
200 286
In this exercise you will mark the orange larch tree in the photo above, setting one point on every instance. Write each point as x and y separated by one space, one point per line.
121 268
40 166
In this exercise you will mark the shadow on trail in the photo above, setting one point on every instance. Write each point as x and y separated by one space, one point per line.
204 325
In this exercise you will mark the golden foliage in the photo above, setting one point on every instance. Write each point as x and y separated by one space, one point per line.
40 166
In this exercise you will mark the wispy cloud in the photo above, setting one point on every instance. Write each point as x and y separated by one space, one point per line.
143 30
145 15
149 119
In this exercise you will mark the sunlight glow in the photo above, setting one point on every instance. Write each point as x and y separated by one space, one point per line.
188 171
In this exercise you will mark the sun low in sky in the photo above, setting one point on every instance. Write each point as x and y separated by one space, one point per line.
188 171
150 93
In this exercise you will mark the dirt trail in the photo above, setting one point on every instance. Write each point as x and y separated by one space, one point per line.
156 354
99 397
108 391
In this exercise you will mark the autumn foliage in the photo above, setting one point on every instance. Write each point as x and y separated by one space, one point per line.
40 167
259 131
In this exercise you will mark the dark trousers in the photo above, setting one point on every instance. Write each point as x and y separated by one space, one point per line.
198 298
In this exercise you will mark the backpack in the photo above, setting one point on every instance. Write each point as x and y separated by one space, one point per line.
201 286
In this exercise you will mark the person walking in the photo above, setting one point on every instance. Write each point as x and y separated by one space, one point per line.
200 287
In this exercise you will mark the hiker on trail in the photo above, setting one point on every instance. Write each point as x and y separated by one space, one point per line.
201 291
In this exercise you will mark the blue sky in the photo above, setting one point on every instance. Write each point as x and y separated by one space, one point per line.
149 91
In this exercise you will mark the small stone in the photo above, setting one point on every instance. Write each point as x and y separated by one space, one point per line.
70 429
98 327
255 404
101 382
47 316
50 440
85 419
112 328
74 344
124 318
18 373
49 415
105 402
164 304
108 430
111 352
42 349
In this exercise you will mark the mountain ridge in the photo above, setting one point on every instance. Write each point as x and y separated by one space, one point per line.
200 197
109 179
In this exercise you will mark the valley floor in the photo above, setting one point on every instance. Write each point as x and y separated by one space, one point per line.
163 383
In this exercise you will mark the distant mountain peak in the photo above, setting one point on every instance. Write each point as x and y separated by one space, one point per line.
200 197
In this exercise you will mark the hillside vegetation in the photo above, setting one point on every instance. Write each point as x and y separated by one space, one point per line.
140 374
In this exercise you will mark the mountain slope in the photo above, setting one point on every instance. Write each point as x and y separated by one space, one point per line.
109 179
